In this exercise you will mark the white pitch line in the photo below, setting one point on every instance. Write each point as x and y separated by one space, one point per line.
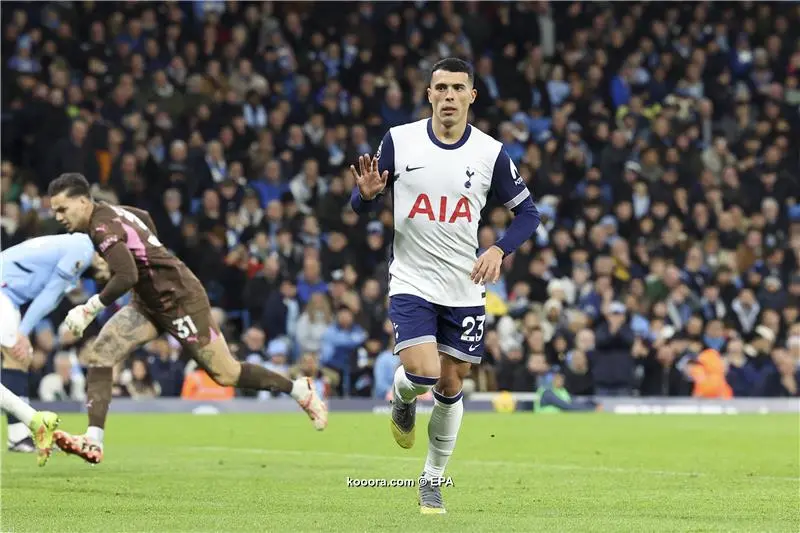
478 462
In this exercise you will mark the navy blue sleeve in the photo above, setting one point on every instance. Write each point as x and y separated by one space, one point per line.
507 184
385 157
510 188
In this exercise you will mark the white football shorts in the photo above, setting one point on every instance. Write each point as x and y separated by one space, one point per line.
9 321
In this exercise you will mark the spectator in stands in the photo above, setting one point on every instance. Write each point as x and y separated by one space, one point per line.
165 368
553 397
511 372
312 324
383 373
707 373
278 356
339 343
63 383
577 378
310 281
664 167
139 382
781 377
281 311
741 373
308 366
199 386
612 362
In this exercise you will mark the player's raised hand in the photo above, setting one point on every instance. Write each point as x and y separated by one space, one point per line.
487 267
369 180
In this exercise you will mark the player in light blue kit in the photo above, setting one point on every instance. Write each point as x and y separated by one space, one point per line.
37 272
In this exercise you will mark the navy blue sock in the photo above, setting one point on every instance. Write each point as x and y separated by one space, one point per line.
17 382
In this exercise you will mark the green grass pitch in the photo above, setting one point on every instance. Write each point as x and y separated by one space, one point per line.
518 472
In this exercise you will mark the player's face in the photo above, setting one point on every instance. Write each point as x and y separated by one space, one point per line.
450 94
72 213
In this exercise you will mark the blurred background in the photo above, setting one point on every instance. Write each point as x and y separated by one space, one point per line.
659 141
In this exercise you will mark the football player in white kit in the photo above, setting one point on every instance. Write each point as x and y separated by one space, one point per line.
440 172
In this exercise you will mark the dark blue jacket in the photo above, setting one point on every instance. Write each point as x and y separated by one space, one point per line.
612 362
742 379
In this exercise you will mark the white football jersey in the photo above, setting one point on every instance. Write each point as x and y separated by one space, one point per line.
438 192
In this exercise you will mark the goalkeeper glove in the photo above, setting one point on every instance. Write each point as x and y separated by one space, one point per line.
79 317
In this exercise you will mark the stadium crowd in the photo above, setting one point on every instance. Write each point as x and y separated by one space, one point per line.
659 141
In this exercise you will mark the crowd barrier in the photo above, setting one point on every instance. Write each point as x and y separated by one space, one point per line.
477 402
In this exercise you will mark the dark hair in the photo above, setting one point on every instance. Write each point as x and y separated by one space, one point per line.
71 183
453 64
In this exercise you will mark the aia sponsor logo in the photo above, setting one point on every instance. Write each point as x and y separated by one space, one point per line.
440 211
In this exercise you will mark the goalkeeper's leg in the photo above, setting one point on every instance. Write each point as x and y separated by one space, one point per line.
225 370
126 330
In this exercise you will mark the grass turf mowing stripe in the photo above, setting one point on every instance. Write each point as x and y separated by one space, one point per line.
479 462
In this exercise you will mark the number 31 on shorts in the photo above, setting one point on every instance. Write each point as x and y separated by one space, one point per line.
469 324
185 327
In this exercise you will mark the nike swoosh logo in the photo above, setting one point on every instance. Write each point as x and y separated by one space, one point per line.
474 347
410 169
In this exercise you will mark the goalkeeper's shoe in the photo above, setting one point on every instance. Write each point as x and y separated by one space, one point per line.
80 445
403 422
306 396
43 426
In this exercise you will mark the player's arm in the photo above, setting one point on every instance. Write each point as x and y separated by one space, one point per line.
110 242
371 182
510 188
72 264
124 274
44 303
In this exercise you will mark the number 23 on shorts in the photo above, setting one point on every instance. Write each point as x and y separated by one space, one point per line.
469 324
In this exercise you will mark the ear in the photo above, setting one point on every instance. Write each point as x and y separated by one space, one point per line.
474 96
428 92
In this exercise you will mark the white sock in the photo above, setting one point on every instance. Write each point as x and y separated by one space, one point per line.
96 434
17 432
11 403
442 432
408 386
299 389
